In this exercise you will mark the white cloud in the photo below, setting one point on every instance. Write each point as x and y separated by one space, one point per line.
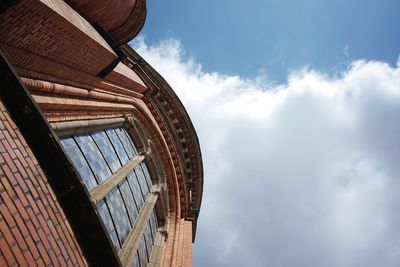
346 50
298 174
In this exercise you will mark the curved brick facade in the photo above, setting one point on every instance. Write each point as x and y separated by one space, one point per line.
75 73
34 229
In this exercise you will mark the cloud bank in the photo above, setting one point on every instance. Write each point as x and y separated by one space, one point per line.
304 173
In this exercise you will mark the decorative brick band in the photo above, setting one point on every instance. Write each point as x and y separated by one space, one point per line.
60 173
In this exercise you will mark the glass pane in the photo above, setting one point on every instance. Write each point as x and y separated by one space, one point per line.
107 150
119 214
106 218
94 157
129 200
80 162
153 224
130 150
136 261
135 188
142 252
142 180
148 239
146 174
98 155
117 146
130 141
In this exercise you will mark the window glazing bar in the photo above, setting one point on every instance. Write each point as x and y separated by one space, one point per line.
129 248
66 128
100 191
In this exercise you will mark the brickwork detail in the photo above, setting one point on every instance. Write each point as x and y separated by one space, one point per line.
63 103
35 27
173 153
58 61
110 14
65 90
178 249
33 228
184 253
37 39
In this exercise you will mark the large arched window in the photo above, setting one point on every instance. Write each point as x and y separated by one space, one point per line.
119 184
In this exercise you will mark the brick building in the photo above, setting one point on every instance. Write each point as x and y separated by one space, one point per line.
99 162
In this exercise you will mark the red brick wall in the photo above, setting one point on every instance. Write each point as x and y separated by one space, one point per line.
33 26
185 241
178 249
33 227
60 62
109 13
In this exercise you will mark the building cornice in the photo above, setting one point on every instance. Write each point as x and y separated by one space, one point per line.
181 131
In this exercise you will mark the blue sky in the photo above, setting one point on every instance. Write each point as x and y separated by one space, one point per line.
296 105
243 38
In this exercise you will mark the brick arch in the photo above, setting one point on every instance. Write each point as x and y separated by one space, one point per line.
161 145
166 152
164 146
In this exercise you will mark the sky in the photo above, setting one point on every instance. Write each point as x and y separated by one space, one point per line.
236 37
297 109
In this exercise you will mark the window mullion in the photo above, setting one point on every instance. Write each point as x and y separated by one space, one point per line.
98 181
130 246
100 191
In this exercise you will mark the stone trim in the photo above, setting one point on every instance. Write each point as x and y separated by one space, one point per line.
66 128
129 248
100 191
179 133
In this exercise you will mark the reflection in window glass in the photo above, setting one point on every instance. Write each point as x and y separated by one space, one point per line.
136 261
124 204
146 174
108 222
94 157
142 252
130 141
129 148
97 156
119 214
153 224
129 200
107 150
135 187
146 245
142 180
80 162
117 146
148 238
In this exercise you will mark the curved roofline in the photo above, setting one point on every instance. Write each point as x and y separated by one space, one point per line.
159 86
124 32
133 25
